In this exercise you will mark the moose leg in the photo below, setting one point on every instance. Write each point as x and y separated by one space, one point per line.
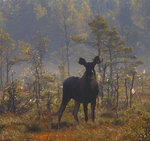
75 111
85 111
61 110
93 104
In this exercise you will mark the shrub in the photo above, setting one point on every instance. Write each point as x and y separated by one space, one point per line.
108 114
1 127
33 127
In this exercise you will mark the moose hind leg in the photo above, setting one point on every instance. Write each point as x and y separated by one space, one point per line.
85 111
61 110
75 111
93 104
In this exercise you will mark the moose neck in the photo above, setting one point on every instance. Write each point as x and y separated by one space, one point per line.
88 78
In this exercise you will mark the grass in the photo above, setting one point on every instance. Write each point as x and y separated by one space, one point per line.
128 126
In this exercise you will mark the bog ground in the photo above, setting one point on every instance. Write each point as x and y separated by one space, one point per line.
129 124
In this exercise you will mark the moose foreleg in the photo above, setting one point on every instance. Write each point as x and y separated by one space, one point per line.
61 110
85 111
93 104
75 111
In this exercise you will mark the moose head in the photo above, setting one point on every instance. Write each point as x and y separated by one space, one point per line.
89 66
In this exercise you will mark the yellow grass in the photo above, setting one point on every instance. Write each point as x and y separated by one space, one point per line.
128 127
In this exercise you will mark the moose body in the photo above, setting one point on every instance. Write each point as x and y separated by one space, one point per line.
82 90
76 88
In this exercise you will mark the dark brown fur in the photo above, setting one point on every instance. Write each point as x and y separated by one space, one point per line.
82 90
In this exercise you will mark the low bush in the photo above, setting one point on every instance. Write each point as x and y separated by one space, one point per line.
33 127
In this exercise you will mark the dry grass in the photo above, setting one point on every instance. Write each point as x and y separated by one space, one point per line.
128 126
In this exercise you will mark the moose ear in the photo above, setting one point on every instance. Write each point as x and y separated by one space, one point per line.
82 61
97 60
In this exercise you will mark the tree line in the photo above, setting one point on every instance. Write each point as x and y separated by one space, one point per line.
31 30
58 20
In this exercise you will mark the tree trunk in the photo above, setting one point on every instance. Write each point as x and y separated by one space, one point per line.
67 43
111 72
117 90
142 84
1 83
7 71
68 60
37 90
126 91
132 83
103 80
108 89
13 98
